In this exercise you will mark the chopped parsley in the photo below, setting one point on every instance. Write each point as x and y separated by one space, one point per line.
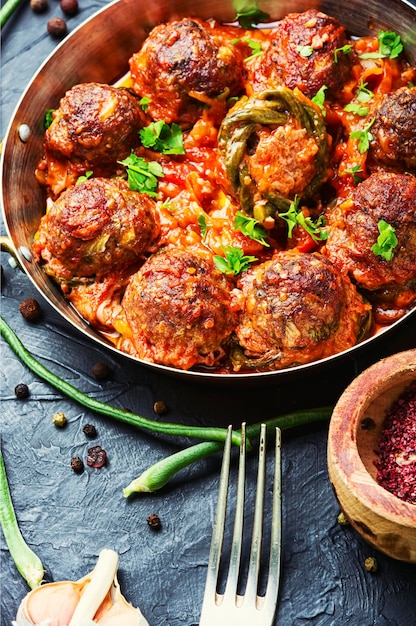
84 177
304 51
389 46
144 103
250 227
319 99
142 175
248 14
48 118
386 241
347 49
294 216
363 137
234 261
163 138
357 109
203 227
356 172
254 45
363 93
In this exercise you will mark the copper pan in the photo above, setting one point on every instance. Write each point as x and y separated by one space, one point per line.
99 50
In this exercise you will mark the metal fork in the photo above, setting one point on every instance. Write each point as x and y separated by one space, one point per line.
250 609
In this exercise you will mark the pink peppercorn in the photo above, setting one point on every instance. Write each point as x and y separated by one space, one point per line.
396 463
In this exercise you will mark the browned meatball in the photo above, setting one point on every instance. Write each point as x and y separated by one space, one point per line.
94 126
180 311
353 228
302 54
181 64
394 131
298 308
95 227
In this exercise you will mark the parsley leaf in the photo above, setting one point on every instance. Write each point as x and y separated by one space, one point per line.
203 227
364 94
253 44
234 262
363 137
304 51
144 103
358 109
356 172
389 46
294 216
386 241
248 14
347 49
163 138
142 175
319 99
251 227
48 118
84 177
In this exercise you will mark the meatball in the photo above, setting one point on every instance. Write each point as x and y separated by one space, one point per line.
302 54
394 131
95 227
271 148
297 308
184 64
354 228
179 307
94 126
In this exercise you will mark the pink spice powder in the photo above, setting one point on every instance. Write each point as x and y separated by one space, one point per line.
396 463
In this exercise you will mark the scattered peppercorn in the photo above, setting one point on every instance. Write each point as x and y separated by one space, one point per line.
77 464
30 309
57 27
370 564
38 6
101 371
154 522
160 407
59 419
342 520
96 457
90 431
21 391
69 7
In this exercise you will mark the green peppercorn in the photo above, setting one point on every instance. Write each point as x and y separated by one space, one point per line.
342 520
59 419
370 564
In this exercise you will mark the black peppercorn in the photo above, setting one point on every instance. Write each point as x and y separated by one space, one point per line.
21 391
57 27
101 371
154 522
90 431
77 464
38 6
30 309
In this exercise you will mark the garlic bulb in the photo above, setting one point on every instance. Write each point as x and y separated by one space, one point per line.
95 599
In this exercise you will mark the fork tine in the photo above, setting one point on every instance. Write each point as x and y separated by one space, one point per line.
218 531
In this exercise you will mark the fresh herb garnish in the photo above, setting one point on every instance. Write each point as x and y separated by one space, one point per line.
356 172
363 137
248 14
163 138
84 177
363 93
144 103
357 109
142 175
48 118
304 51
234 261
253 44
347 49
389 46
203 227
250 227
294 216
319 99
386 241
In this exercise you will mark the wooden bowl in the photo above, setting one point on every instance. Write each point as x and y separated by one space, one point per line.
385 521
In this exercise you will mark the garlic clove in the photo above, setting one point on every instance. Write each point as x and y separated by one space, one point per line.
94 599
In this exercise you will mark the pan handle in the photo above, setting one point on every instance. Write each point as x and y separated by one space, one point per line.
6 245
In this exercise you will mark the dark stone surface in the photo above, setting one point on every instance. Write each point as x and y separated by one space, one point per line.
67 518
